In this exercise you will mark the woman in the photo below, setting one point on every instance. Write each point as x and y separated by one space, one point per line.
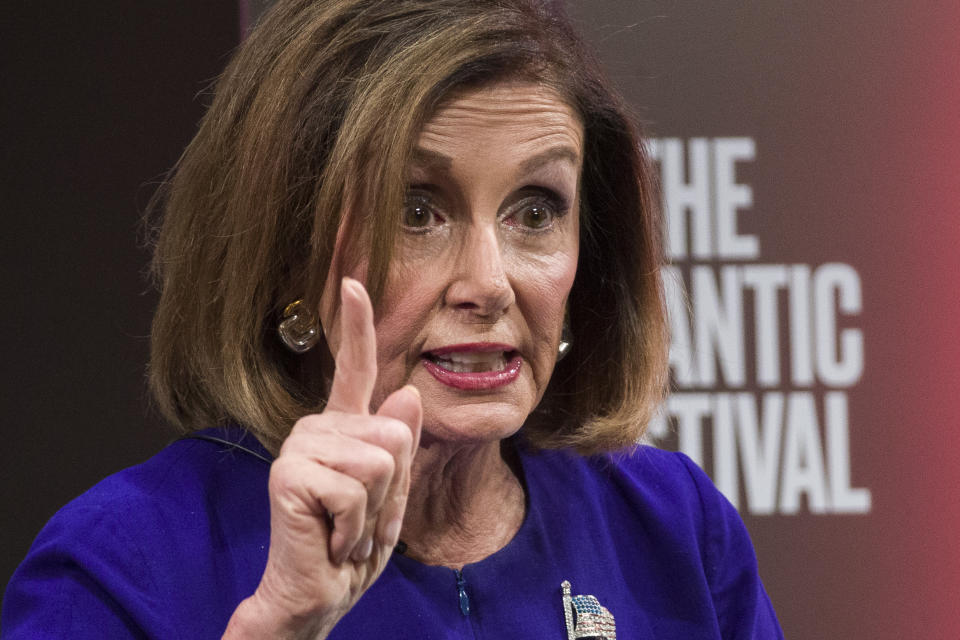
395 219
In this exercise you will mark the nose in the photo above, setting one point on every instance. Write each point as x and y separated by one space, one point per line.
480 284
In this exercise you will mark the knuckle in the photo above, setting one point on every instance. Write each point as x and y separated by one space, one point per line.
282 467
303 429
288 448
355 493
307 422
382 463
283 476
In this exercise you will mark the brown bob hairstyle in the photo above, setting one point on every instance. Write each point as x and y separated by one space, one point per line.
317 113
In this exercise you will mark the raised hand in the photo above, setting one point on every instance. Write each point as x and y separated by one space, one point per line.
338 491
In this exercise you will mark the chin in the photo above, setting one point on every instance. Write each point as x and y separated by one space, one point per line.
473 421
458 415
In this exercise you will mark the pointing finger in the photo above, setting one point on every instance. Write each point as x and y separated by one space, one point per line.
356 361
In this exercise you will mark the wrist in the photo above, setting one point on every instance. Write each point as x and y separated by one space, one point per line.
254 618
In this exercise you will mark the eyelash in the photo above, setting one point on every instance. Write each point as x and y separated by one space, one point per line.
556 204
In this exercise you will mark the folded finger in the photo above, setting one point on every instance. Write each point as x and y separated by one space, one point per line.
335 501
371 464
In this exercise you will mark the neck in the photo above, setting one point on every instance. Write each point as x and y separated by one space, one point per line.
465 503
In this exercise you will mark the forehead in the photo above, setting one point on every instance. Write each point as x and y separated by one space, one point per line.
525 114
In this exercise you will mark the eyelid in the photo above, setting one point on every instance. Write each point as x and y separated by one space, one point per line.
554 197
426 192
419 190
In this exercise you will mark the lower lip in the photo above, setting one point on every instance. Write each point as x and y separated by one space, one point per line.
476 380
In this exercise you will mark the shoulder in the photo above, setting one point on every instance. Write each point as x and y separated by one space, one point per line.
671 480
730 567
115 553
678 491
657 483
640 489
664 504
179 481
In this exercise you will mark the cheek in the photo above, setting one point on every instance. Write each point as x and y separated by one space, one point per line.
547 275
543 284
408 303
402 316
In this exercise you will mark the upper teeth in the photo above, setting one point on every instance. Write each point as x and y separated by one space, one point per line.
472 357
473 361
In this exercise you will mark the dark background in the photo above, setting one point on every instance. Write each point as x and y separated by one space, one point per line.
853 107
99 100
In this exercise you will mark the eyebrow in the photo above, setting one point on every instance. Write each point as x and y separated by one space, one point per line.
559 152
434 160
431 159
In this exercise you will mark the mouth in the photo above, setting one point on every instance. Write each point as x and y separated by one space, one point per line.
475 366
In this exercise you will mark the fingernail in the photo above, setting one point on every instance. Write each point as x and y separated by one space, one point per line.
392 532
351 285
366 549
413 389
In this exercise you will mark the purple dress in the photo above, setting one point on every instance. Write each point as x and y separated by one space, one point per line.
168 548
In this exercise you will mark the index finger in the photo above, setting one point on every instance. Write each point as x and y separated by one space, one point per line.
356 360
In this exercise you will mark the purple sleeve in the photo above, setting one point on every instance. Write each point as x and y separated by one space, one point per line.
83 578
743 608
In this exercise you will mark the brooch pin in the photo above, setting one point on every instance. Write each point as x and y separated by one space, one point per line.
585 617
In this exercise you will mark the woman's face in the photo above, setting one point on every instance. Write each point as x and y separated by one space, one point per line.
475 299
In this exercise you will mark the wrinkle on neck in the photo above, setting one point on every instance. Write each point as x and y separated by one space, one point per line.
465 503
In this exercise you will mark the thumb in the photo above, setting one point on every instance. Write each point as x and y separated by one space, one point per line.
404 405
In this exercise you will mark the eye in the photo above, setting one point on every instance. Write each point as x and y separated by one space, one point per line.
419 214
535 213
536 216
